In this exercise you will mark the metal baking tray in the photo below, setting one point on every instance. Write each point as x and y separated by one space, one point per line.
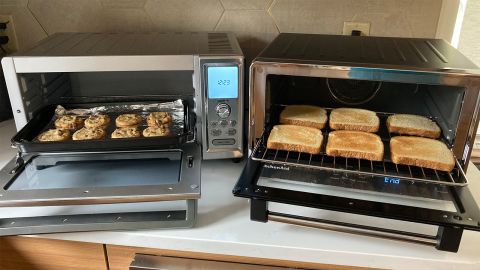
25 140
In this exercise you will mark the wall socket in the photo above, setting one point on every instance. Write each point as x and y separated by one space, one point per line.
348 27
12 45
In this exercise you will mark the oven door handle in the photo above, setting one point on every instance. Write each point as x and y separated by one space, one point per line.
447 238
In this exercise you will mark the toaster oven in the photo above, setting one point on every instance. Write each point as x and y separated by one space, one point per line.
424 77
144 182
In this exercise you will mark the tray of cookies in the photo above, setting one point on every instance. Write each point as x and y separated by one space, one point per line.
89 127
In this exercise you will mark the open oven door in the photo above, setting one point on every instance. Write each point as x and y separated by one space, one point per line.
86 191
333 197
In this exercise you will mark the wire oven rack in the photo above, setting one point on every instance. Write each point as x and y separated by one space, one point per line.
385 168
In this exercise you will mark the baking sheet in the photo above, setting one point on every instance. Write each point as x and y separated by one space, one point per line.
174 108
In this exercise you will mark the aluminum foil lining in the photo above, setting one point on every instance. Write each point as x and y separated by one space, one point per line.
175 108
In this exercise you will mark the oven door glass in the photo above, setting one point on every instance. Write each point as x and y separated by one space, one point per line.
86 179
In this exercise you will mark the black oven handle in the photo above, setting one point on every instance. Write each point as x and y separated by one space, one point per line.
447 238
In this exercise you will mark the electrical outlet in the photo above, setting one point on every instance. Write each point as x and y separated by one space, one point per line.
348 27
11 46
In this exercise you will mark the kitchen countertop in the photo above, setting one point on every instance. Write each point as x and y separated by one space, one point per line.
224 227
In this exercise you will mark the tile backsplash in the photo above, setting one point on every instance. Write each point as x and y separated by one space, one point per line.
255 22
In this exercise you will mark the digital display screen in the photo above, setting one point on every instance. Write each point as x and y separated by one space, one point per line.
391 180
222 82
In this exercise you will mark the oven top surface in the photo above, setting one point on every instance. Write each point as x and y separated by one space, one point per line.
431 54
127 44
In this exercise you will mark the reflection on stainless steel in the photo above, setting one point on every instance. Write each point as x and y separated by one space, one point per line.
355 229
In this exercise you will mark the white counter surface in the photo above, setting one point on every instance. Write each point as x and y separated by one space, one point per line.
224 227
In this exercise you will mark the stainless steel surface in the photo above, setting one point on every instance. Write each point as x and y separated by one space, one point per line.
98 222
188 186
75 54
383 168
210 113
358 229
152 262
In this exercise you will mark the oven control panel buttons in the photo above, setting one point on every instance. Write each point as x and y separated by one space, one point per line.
223 142
216 132
214 124
223 123
231 131
223 110
232 123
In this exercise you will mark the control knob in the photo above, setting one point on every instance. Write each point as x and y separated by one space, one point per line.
223 110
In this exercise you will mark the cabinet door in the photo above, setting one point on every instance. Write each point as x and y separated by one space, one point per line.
46 254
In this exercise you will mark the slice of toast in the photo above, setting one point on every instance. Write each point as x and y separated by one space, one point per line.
355 144
304 115
295 138
410 124
354 119
421 152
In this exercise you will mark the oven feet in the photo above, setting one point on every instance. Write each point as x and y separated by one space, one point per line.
448 238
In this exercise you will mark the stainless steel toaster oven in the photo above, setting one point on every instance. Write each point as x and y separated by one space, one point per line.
125 183
424 77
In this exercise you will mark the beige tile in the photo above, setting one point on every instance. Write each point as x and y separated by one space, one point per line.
125 20
123 3
386 24
313 16
184 15
246 4
421 16
13 2
253 43
67 15
27 29
417 18
252 21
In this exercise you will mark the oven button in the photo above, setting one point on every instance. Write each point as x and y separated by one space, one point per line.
232 123
214 124
216 132
223 142
223 110
223 123
232 131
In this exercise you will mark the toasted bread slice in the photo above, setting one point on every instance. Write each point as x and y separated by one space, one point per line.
421 152
355 144
354 119
295 138
410 124
304 115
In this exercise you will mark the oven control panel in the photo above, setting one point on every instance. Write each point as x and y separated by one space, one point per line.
223 108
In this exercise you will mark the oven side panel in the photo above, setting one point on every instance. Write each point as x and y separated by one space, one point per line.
14 93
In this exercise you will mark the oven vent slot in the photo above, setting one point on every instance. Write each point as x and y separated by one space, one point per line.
219 43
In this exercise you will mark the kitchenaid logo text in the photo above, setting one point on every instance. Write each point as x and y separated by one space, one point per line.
269 166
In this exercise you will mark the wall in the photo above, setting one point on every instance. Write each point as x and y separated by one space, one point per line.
255 21
470 35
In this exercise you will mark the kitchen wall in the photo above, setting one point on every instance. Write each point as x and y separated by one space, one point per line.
256 22
470 35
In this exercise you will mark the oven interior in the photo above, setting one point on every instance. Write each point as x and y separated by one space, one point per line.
40 89
355 178
438 102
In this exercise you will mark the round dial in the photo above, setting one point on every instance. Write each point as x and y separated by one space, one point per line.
223 110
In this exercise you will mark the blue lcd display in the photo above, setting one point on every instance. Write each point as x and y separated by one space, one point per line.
222 82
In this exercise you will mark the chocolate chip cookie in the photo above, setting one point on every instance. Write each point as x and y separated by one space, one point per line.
89 134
